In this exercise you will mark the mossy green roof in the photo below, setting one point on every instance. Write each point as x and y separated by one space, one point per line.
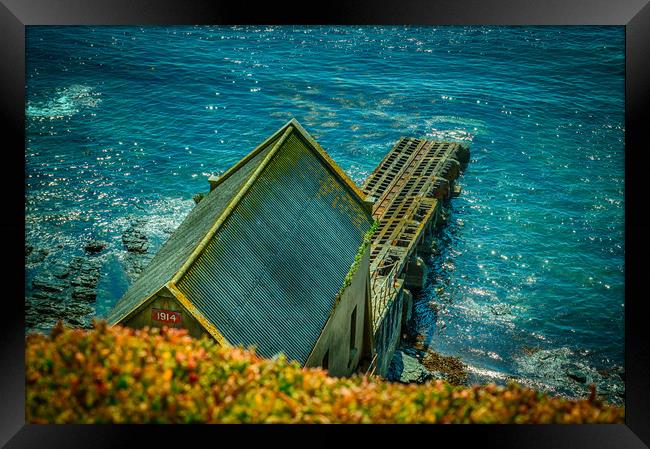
262 257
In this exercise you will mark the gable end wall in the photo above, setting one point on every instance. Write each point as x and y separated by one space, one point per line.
163 299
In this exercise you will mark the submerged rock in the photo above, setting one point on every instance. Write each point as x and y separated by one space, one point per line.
49 285
63 292
79 309
37 255
499 309
530 350
50 309
84 293
577 374
44 294
95 246
569 373
60 271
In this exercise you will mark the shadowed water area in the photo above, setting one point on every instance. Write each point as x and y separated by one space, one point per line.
125 124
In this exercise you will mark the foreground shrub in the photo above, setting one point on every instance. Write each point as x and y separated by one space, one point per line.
119 375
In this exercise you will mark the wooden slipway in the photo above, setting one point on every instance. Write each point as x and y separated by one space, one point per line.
408 188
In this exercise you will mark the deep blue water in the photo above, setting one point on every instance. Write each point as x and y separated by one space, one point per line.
128 121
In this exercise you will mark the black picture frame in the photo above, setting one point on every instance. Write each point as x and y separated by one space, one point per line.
16 14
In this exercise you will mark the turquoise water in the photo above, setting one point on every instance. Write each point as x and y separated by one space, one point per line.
127 122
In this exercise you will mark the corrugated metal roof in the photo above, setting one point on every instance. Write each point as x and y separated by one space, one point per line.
270 274
184 240
264 265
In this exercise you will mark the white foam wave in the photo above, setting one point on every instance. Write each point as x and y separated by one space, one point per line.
486 373
67 102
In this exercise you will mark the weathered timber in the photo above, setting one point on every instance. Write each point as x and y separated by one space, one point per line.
408 188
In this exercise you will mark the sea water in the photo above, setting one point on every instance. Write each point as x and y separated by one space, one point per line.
128 122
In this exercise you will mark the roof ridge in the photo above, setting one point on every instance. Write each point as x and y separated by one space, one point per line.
216 180
336 169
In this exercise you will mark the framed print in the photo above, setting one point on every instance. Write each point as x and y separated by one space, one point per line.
403 213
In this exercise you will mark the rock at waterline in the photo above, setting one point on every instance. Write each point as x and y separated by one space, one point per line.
64 292
44 294
621 375
198 197
49 309
60 271
134 240
74 321
49 285
85 281
135 265
84 293
449 368
406 369
428 248
95 246
37 255
499 309
137 245
576 374
79 309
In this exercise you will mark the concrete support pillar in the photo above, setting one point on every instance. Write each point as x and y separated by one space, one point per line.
462 155
427 247
416 276
407 309
214 181
444 215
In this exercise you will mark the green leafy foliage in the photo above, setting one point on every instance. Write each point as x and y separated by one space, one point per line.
198 197
367 239
121 375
